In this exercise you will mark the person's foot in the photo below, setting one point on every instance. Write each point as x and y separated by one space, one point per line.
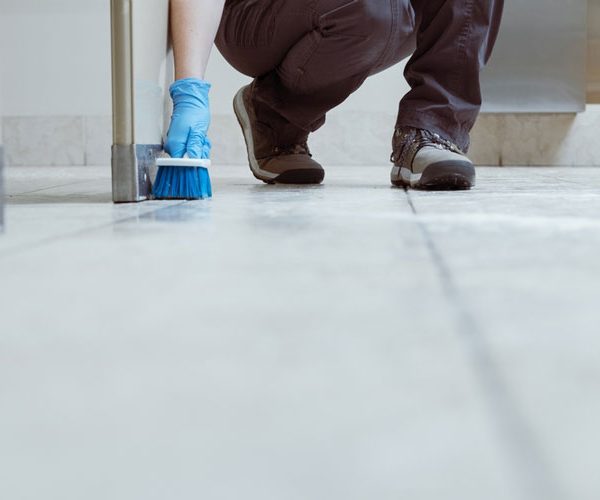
424 160
270 161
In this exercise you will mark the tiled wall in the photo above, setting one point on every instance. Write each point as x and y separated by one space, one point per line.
348 138
60 140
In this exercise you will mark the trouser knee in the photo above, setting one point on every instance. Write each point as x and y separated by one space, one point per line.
368 22
349 38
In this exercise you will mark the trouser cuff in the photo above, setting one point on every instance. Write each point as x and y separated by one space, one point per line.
450 131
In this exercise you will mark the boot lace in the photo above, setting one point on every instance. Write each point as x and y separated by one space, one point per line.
408 141
292 149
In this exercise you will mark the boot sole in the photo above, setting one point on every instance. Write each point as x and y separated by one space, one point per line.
446 176
297 176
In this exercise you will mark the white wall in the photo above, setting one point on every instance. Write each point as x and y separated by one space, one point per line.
56 61
56 57
1 114
594 51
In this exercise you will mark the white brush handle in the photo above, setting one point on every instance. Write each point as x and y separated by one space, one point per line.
183 162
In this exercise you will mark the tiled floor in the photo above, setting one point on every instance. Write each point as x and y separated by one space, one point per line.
348 341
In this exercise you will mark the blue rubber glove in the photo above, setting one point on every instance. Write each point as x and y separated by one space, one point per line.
190 120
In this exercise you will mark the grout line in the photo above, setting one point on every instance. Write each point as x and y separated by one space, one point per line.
52 239
562 179
13 195
536 477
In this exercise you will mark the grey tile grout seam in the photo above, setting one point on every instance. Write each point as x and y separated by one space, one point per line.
52 239
536 477
25 193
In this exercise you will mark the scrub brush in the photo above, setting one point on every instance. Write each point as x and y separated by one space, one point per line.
182 179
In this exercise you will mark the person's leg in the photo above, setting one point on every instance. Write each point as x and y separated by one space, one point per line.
455 39
308 57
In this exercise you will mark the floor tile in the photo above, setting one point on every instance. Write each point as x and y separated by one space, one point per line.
350 340
520 260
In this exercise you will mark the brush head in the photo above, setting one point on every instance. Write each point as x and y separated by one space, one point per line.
182 179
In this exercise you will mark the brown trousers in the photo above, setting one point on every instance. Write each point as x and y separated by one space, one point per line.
308 56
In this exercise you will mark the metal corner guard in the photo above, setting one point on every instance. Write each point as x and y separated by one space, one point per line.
131 171
130 162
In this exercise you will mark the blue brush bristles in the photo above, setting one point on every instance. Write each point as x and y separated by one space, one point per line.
182 183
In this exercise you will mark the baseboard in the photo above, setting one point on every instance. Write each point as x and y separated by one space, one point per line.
348 138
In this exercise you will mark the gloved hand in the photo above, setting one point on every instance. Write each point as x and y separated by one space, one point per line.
190 119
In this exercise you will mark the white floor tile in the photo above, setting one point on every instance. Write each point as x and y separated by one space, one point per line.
346 341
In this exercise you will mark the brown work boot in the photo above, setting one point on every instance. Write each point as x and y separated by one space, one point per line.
270 160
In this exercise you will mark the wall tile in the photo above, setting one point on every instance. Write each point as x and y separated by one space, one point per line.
43 141
354 138
228 146
486 140
537 139
347 138
98 140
